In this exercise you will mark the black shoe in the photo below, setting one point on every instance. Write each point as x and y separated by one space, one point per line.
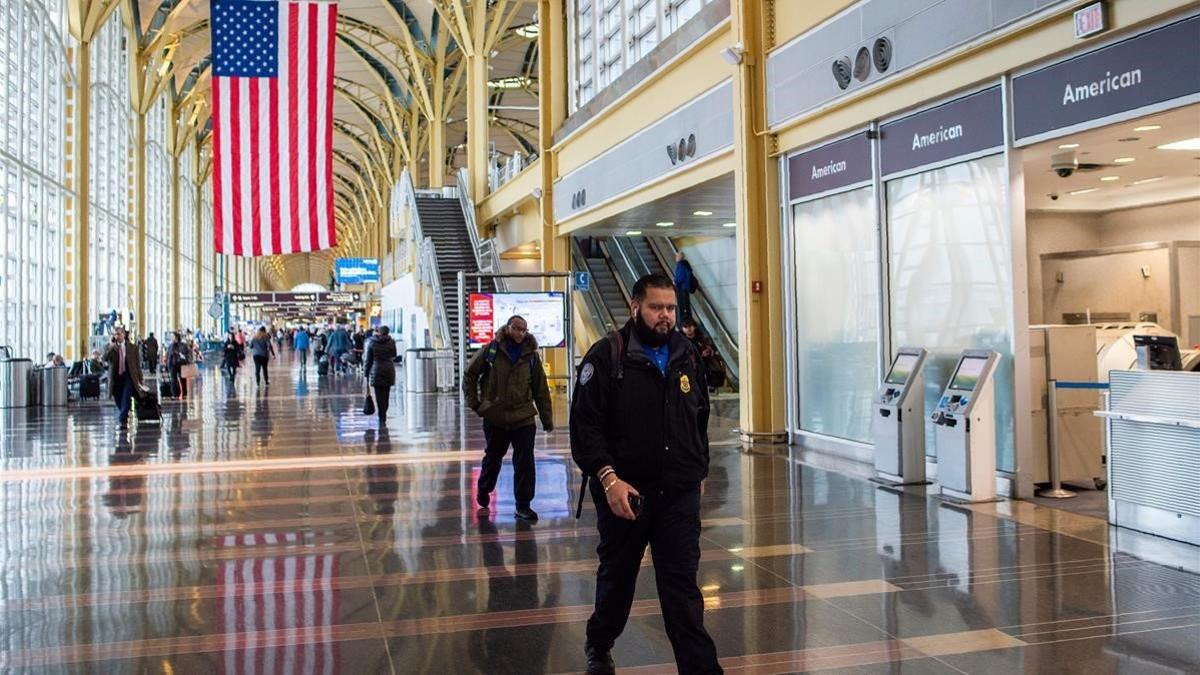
483 500
599 661
526 513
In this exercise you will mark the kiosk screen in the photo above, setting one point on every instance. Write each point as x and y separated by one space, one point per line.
967 375
902 367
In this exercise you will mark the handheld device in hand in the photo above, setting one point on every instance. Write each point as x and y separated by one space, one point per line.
635 503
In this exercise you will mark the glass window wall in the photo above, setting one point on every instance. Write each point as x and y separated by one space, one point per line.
609 36
159 244
187 239
33 193
110 229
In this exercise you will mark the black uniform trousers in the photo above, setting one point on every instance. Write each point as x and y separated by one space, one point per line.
524 474
670 524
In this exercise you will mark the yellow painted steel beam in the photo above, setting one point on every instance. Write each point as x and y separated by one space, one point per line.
199 264
760 320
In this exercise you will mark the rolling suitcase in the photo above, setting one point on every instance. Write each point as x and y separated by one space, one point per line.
323 365
148 410
89 387
167 386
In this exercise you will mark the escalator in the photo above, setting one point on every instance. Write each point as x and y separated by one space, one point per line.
616 263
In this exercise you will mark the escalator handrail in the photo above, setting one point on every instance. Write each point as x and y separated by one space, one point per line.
726 343
596 305
623 284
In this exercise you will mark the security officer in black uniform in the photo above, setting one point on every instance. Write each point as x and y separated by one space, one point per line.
639 430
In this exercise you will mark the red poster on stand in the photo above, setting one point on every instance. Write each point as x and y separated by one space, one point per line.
480 322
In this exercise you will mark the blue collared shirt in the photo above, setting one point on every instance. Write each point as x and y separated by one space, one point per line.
660 356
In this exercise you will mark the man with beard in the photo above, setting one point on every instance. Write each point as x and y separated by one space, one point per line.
639 431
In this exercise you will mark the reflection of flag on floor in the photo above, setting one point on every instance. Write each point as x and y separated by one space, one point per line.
275 596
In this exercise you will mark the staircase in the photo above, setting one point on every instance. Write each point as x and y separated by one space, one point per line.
442 221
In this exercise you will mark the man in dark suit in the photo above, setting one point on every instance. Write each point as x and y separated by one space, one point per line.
124 374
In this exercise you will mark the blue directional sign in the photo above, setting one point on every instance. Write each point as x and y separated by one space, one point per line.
357 270
583 281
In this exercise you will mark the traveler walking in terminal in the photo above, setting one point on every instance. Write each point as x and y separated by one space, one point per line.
685 285
339 343
179 354
505 384
381 370
230 350
300 344
124 374
150 353
262 350
639 431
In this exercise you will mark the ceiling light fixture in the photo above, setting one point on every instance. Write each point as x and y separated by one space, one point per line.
1149 180
701 213
1068 146
633 233
1148 127
665 223
1123 160
1107 179
729 225
1083 191
529 31
1189 144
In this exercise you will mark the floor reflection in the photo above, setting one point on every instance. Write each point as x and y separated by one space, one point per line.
278 530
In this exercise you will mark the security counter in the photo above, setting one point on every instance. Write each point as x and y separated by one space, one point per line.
1153 428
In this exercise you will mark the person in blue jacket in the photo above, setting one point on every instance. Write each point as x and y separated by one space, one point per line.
685 285
300 344
339 343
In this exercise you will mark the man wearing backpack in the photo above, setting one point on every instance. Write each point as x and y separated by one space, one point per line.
505 384
639 432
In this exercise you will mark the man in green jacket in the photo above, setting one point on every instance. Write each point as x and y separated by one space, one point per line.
505 384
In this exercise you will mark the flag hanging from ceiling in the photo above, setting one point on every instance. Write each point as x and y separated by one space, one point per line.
272 92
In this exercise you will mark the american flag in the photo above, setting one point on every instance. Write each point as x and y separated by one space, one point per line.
273 126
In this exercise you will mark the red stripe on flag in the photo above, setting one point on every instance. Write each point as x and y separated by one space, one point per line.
312 125
255 169
328 86
273 133
293 120
235 161
218 195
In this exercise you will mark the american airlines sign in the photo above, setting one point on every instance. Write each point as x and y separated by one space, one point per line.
1155 67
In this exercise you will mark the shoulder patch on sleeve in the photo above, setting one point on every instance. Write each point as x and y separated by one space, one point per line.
585 375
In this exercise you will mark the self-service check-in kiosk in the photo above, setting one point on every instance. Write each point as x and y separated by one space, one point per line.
965 428
898 423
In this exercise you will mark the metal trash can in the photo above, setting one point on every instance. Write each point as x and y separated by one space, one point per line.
54 386
14 381
420 370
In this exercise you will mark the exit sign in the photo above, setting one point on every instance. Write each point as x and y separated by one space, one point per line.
1089 20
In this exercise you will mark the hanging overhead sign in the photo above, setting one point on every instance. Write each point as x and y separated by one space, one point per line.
962 127
321 298
1152 68
829 167
357 270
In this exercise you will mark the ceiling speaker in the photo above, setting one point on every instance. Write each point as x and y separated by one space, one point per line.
882 54
841 72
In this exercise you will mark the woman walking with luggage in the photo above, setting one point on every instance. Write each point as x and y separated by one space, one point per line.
230 350
381 370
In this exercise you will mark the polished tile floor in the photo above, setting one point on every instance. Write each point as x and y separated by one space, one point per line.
277 530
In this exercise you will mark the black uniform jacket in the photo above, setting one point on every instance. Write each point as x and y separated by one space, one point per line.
652 429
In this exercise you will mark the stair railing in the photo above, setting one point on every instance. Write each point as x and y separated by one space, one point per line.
427 274
487 258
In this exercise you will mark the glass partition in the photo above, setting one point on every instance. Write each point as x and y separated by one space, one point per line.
951 277
837 313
